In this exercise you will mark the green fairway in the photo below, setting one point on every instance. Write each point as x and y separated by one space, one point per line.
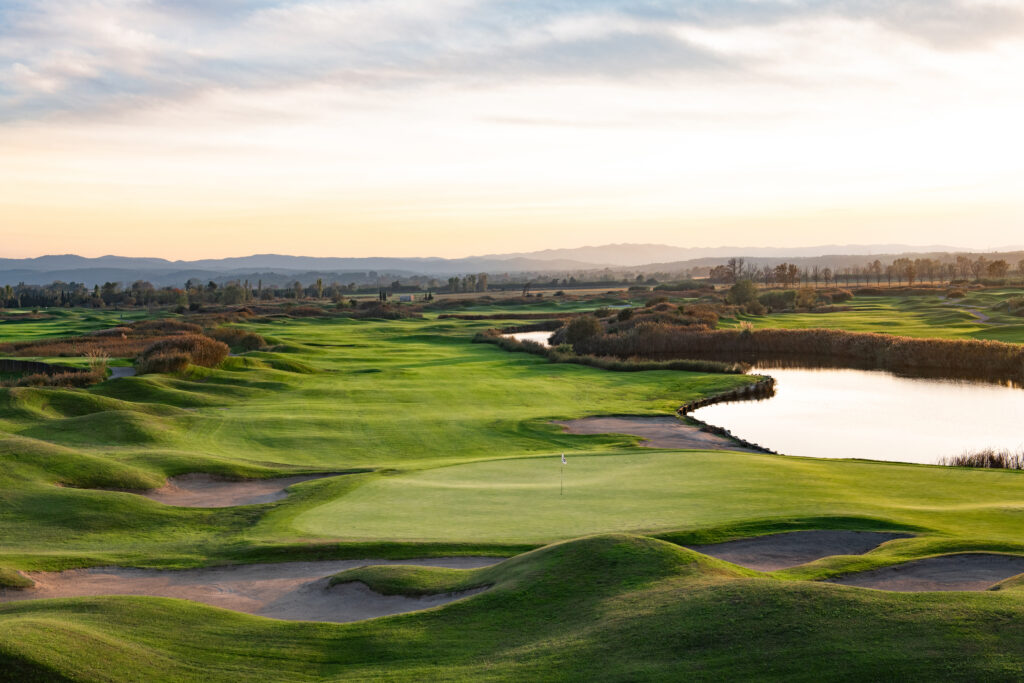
912 316
61 322
401 395
452 452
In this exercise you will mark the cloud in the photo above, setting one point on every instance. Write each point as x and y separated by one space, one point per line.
93 56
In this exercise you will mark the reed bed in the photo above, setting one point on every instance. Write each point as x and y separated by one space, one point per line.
943 357
173 354
561 355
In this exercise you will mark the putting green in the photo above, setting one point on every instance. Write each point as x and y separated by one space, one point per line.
519 501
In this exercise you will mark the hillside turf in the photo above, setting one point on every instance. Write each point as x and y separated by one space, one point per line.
456 454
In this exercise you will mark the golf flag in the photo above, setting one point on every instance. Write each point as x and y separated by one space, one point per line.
563 458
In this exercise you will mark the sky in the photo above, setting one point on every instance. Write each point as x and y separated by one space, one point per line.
193 129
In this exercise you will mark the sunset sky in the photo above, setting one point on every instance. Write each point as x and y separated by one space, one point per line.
192 129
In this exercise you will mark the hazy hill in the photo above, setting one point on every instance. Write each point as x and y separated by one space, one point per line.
279 269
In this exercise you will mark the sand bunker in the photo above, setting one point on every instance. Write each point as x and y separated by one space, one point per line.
120 371
206 491
961 572
657 432
780 551
296 591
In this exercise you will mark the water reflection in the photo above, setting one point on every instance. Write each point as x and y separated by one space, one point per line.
538 337
846 413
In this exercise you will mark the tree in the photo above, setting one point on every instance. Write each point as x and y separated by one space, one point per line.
742 293
963 264
319 288
735 266
787 274
232 294
721 274
978 267
782 274
997 269
875 268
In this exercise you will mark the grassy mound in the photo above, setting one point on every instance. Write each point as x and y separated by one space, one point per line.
607 560
13 579
612 607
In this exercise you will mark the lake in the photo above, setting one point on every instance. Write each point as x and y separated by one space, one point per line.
839 413
539 337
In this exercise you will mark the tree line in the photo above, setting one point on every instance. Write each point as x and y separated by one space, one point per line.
900 271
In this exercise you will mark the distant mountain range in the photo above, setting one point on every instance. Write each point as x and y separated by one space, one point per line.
643 254
276 268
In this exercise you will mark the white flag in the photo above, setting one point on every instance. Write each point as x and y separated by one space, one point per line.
563 458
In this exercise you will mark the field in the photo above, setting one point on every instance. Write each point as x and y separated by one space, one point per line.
914 316
449 450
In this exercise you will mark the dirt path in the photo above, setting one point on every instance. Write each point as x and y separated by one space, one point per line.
296 591
961 572
781 551
657 432
205 491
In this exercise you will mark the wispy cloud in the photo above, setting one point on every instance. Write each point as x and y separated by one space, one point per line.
105 55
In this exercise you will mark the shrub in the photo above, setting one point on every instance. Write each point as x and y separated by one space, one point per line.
956 294
683 285
237 338
582 328
742 292
306 312
1015 306
779 300
701 314
754 307
164 362
61 379
624 314
165 326
805 298
841 295
603 312
200 349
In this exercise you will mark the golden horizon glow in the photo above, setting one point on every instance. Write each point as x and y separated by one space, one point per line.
579 126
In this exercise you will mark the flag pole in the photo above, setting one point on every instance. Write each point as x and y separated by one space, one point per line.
561 477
